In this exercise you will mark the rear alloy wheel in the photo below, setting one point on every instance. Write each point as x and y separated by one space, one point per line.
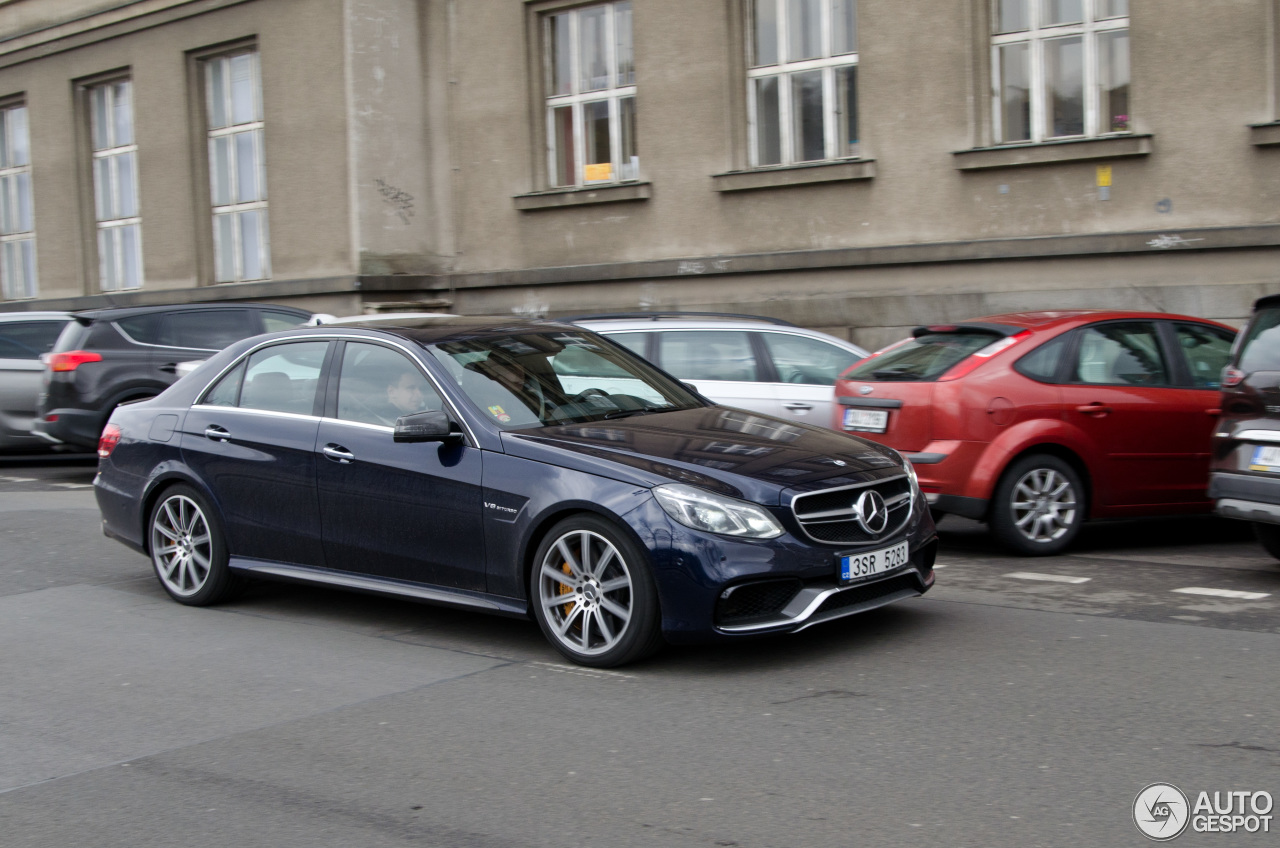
593 596
188 550
1038 507
1268 536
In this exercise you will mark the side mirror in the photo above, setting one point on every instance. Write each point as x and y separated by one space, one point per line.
433 426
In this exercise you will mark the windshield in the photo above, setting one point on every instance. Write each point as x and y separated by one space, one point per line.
1260 348
561 377
927 357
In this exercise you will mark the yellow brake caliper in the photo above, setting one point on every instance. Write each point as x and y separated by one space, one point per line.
565 589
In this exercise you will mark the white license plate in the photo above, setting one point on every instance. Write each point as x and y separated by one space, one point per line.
858 566
1265 459
866 420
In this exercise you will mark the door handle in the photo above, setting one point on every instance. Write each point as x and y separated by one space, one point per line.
213 431
1214 411
799 407
338 453
169 368
1094 408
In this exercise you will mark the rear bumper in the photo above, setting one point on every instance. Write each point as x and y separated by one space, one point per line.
79 427
1246 496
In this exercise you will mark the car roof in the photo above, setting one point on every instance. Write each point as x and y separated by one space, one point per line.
34 316
111 313
1049 319
435 329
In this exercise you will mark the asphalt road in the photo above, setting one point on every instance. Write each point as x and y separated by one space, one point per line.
998 710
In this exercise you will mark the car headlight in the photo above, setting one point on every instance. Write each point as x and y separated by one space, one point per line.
911 475
702 510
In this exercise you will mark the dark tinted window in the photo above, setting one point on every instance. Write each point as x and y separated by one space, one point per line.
1260 349
1206 350
708 355
143 328
798 359
72 336
28 339
283 378
927 357
273 319
1043 363
1121 354
206 329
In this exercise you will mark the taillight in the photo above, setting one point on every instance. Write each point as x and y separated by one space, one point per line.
108 440
975 359
1231 377
72 359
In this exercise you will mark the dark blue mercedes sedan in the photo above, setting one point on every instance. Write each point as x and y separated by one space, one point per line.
526 468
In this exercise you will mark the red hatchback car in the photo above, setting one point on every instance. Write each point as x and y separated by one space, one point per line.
1035 421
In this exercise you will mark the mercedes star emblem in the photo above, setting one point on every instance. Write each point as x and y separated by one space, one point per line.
871 512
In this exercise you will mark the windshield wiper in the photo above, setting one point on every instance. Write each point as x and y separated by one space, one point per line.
644 410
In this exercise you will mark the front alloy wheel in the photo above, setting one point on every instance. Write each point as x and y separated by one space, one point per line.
593 596
187 549
1038 507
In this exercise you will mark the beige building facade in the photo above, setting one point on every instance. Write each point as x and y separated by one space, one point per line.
860 167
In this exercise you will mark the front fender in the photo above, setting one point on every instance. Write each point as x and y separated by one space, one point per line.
1019 439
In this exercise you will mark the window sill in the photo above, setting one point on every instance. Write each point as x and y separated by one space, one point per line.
1052 152
559 198
791 175
1264 135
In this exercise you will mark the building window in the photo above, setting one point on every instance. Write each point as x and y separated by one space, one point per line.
802 78
17 223
237 173
115 185
1060 69
591 96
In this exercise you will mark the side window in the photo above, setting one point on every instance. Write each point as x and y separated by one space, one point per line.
1121 354
580 369
377 385
207 329
283 378
143 328
1207 350
708 355
28 339
227 390
273 320
634 342
1042 364
802 360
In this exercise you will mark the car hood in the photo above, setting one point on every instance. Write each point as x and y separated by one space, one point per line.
731 451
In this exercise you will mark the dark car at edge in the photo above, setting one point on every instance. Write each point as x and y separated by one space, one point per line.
524 469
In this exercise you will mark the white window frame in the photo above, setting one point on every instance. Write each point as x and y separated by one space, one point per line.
8 287
1035 36
233 209
613 94
111 227
783 69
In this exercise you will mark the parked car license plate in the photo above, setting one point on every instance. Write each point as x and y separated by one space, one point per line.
866 420
858 566
1265 459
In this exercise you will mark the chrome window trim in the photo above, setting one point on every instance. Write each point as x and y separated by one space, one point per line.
251 411
884 537
333 337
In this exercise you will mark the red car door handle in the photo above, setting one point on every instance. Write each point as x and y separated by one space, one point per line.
1093 409
1214 411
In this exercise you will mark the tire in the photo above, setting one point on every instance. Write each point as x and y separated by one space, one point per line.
189 549
1268 536
1038 506
593 594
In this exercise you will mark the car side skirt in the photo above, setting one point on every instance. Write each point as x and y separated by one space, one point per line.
515 607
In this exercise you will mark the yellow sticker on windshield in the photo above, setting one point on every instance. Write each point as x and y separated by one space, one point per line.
499 413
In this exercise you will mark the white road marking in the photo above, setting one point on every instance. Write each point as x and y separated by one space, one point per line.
18 479
939 565
584 672
1223 593
74 485
1050 578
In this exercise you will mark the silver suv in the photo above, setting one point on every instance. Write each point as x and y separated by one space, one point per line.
24 338
761 364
